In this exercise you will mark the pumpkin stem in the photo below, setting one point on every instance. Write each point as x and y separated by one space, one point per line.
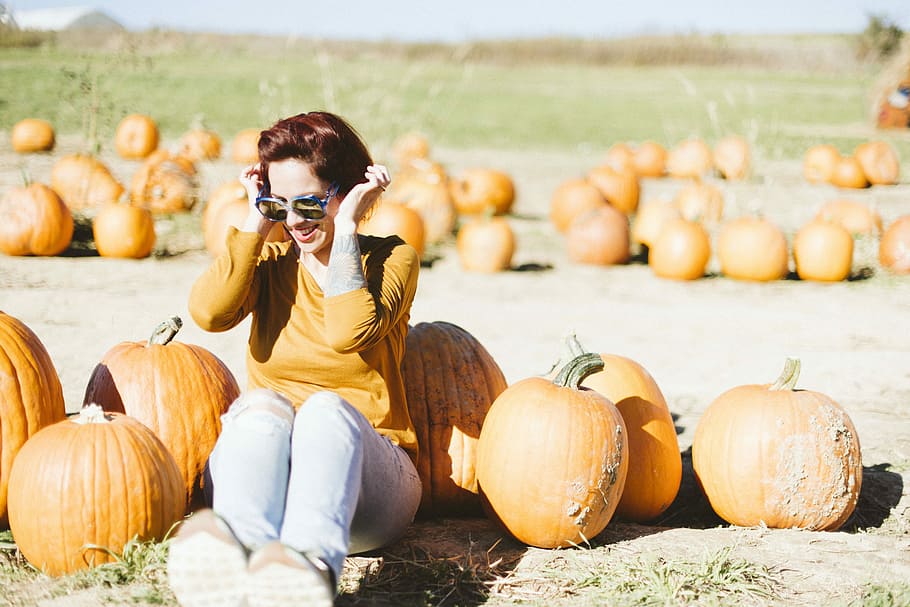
583 365
91 414
788 377
572 349
165 332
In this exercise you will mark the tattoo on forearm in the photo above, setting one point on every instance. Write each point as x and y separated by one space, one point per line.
345 272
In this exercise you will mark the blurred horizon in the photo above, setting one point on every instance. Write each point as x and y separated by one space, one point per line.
475 20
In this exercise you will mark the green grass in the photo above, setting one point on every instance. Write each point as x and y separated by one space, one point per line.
458 102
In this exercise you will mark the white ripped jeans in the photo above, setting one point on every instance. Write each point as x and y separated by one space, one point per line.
320 480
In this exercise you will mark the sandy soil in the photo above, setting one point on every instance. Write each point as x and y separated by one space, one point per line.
697 339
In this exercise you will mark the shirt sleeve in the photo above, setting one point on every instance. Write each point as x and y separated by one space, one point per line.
225 293
359 319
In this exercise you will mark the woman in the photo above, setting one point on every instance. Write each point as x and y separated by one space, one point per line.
316 460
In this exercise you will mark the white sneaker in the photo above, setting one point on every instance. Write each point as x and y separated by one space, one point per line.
206 564
279 576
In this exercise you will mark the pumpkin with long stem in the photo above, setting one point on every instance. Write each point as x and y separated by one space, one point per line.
84 487
780 457
178 390
552 458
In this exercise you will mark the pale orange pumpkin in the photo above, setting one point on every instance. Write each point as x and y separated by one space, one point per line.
620 187
681 252
245 146
879 161
451 381
122 230
485 244
858 218
477 189
690 159
199 144
819 163
752 248
389 217
650 219
599 237
572 198
424 188
136 136
848 173
732 157
410 146
31 396
32 135
227 207
84 487
165 183
655 462
178 390
823 251
894 246
84 182
619 157
35 221
700 201
553 458
649 159
779 457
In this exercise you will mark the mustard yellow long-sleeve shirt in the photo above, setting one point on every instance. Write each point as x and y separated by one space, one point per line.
302 342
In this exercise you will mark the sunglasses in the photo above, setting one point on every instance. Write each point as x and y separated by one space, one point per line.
308 206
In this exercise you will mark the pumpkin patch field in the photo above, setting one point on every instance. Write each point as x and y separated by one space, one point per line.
691 339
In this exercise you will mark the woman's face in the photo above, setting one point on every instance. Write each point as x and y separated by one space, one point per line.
292 177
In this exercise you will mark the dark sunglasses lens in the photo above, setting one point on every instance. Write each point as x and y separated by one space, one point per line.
271 209
309 209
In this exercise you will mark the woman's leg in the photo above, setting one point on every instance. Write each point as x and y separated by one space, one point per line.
350 488
250 465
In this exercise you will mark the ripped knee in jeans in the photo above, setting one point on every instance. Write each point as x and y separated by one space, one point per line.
261 403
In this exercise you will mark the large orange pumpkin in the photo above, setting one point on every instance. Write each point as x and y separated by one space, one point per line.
780 457
389 217
681 251
136 136
32 135
35 221
823 251
165 183
655 463
122 230
879 161
31 396
894 246
84 182
451 380
178 390
485 244
620 187
553 457
84 487
599 237
477 189
572 198
752 248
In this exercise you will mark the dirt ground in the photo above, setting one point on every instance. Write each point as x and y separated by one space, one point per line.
697 339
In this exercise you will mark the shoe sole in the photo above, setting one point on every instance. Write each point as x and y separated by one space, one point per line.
204 571
280 585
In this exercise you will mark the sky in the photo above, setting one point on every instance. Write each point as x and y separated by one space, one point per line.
465 20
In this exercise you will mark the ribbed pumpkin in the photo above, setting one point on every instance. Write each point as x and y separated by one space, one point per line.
32 135
619 187
655 463
572 198
31 396
599 237
894 246
451 380
390 217
136 136
36 221
477 189
424 187
199 144
178 390
752 248
122 230
228 206
691 159
552 458
819 162
879 161
733 157
858 218
84 182
823 251
776 456
165 183
84 487
485 244
245 146
681 252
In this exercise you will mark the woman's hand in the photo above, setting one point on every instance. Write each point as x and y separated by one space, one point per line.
361 198
252 180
